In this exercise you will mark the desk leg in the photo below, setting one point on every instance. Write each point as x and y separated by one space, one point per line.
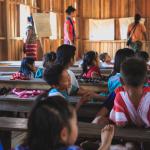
5 137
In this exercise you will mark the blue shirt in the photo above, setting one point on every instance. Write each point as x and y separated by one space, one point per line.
39 73
55 92
63 148
1 148
114 82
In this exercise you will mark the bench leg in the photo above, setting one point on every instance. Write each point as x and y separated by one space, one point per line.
5 137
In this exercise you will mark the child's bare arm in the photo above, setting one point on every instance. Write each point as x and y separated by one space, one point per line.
95 95
86 98
94 75
121 124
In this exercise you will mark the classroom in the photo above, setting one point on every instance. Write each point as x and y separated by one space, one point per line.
74 75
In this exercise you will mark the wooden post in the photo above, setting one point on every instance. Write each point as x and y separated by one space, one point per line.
7 29
40 4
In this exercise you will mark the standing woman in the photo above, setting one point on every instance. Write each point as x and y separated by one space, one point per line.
30 44
135 31
69 27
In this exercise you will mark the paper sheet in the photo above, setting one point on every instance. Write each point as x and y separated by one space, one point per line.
101 30
42 24
124 23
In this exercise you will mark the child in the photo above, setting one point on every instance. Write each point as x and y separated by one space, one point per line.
145 56
91 63
27 67
106 60
120 56
52 125
47 60
65 55
131 105
56 75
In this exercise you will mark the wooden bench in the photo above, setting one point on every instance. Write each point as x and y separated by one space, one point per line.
12 103
40 84
87 130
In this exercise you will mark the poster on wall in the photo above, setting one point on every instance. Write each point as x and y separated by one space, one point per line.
124 23
101 30
42 24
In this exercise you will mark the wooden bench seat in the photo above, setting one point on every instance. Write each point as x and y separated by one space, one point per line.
87 130
12 103
40 84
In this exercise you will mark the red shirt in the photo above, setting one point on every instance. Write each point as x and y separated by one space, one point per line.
70 29
95 69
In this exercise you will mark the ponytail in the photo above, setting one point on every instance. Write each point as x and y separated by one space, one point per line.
70 9
137 18
84 65
88 60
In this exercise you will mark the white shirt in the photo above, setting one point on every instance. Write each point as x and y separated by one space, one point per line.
73 78
104 64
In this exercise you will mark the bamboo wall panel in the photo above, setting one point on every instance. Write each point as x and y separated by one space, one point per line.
85 10
106 9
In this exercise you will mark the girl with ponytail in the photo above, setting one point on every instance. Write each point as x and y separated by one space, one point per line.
47 60
91 63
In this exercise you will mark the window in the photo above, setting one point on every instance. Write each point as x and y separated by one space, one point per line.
24 13
53 23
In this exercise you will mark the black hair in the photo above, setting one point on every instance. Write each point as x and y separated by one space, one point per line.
30 19
25 66
46 120
134 71
53 73
137 18
120 56
88 60
102 56
143 55
64 54
49 58
70 9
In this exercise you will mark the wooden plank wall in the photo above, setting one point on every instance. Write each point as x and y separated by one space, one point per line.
85 10
105 9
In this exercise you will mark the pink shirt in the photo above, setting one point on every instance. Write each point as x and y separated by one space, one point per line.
70 29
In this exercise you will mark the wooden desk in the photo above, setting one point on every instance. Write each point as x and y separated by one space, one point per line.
12 103
40 84
79 70
87 130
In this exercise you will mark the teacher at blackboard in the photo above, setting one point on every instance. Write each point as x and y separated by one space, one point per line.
135 31
69 27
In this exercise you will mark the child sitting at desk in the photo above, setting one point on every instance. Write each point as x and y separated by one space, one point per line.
91 63
27 67
65 55
52 125
145 56
106 60
56 75
120 56
132 106
47 60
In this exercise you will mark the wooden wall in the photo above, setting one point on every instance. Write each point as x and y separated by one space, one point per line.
105 9
11 43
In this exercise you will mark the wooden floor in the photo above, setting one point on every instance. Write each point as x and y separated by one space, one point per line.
17 138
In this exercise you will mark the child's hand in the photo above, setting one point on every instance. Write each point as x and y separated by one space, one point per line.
87 97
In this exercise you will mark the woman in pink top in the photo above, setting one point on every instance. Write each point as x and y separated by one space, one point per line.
69 27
